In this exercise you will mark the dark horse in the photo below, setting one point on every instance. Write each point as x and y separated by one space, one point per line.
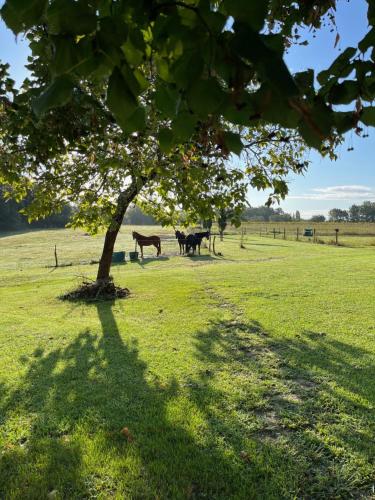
195 240
181 237
146 241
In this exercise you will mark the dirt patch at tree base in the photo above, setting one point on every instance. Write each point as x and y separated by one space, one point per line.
96 290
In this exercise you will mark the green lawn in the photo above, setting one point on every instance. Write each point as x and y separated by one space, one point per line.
248 375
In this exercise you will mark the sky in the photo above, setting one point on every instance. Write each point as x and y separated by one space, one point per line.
327 184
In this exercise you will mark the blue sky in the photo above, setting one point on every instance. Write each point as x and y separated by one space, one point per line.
327 184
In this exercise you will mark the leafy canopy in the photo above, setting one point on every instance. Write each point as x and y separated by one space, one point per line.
216 59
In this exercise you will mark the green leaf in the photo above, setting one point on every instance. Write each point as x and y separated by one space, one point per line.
20 15
183 126
344 93
368 41
233 142
345 121
205 97
253 12
305 80
70 17
368 116
136 122
341 67
167 100
268 63
166 140
121 100
57 94
65 56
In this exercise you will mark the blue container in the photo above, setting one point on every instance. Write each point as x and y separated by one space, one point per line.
118 257
133 256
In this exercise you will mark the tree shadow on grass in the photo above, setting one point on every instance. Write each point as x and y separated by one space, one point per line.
89 419
298 397
260 439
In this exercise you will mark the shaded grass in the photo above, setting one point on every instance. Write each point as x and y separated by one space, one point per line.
247 376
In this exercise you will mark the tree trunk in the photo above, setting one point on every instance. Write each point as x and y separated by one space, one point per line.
123 201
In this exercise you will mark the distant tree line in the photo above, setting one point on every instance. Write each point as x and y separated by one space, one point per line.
268 214
356 213
135 216
11 218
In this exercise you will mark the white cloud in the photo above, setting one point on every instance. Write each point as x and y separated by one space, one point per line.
331 193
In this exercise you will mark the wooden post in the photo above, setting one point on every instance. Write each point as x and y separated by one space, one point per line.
284 234
337 236
213 246
209 244
297 233
242 236
274 233
314 233
56 260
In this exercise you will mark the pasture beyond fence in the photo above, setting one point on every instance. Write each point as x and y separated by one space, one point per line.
244 237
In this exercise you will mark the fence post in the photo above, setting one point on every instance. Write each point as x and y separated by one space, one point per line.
242 236
56 261
314 235
213 245
297 233
274 233
337 236
284 234
209 244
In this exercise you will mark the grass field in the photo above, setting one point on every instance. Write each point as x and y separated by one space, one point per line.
350 234
246 375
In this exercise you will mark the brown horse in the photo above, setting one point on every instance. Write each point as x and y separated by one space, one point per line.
146 241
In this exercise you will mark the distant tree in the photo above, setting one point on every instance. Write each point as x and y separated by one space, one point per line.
137 217
207 224
265 213
222 221
13 218
10 218
367 211
355 213
318 218
338 215
298 215
280 216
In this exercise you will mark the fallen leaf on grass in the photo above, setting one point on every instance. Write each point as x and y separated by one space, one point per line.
245 456
126 433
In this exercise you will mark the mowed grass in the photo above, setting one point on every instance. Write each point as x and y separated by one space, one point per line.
246 375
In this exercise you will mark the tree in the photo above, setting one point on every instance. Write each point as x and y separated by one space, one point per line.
338 215
207 224
355 213
222 221
12 216
298 215
265 213
137 217
280 216
167 90
367 211
83 157
318 218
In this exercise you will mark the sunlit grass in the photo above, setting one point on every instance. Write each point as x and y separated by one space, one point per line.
247 375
